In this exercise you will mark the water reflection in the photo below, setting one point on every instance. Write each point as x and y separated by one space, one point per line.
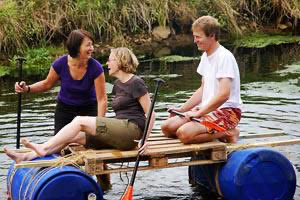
271 102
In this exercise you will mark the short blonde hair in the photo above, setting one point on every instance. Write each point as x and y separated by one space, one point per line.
209 25
127 60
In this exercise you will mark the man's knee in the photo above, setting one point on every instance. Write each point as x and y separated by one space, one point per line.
166 129
164 126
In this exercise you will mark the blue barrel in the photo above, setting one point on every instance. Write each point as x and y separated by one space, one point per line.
52 183
251 174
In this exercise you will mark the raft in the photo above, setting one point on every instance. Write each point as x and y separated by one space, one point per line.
51 183
163 152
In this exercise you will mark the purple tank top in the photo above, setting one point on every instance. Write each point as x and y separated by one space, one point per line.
77 92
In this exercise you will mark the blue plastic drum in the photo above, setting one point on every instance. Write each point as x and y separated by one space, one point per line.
59 183
250 174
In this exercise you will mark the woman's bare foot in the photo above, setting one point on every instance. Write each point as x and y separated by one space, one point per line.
35 147
18 157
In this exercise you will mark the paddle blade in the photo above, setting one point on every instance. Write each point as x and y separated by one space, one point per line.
128 193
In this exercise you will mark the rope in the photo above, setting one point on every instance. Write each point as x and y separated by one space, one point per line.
42 173
31 180
23 180
217 181
10 181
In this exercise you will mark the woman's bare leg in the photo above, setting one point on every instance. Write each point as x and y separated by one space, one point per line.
19 157
65 136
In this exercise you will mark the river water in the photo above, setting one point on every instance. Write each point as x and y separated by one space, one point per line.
270 93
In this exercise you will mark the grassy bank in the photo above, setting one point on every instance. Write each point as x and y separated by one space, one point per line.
29 23
38 28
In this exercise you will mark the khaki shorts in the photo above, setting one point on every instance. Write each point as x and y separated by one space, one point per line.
114 133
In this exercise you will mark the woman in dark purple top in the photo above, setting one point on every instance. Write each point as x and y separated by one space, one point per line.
82 81
130 102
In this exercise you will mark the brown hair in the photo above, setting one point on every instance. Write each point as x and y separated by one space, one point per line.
75 40
209 25
127 60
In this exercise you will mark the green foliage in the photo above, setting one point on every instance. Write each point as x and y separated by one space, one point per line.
4 71
38 62
263 40
176 58
27 23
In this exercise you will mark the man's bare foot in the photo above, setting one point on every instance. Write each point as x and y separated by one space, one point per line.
35 147
233 135
17 157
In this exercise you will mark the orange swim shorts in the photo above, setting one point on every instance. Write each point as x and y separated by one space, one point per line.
227 118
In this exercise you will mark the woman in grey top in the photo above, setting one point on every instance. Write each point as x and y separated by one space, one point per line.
130 102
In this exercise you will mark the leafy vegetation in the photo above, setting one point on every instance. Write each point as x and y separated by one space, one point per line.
263 40
27 24
38 62
24 23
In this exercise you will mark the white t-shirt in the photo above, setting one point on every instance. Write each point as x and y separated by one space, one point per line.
221 64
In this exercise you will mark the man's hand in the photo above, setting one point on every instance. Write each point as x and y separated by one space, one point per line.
191 114
172 114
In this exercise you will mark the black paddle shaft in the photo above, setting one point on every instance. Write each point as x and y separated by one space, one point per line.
159 81
20 60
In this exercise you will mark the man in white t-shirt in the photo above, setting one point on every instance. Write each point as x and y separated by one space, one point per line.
218 98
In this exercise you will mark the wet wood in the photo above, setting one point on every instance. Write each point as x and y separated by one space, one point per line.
41 163
235 147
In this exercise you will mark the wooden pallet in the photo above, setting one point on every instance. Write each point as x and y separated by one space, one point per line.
163 152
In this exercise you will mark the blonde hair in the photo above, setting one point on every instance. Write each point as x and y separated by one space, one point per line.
127 60
209 25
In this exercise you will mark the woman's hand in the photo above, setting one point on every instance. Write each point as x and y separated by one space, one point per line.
21 87
142 149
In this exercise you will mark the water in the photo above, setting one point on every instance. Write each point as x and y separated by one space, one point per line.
271 103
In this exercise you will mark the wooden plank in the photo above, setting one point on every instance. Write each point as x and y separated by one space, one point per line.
157 135
23 150
158 138
170 165
262 135
219 154
159 162
169 141
93 167
243 136
235 147
155 152
40 163
165 146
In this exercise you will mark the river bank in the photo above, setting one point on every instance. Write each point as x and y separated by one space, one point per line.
36 23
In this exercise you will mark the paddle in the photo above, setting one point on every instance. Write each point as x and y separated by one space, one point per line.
128 194
20 61
203 122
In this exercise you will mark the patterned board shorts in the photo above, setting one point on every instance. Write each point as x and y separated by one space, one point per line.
227 118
